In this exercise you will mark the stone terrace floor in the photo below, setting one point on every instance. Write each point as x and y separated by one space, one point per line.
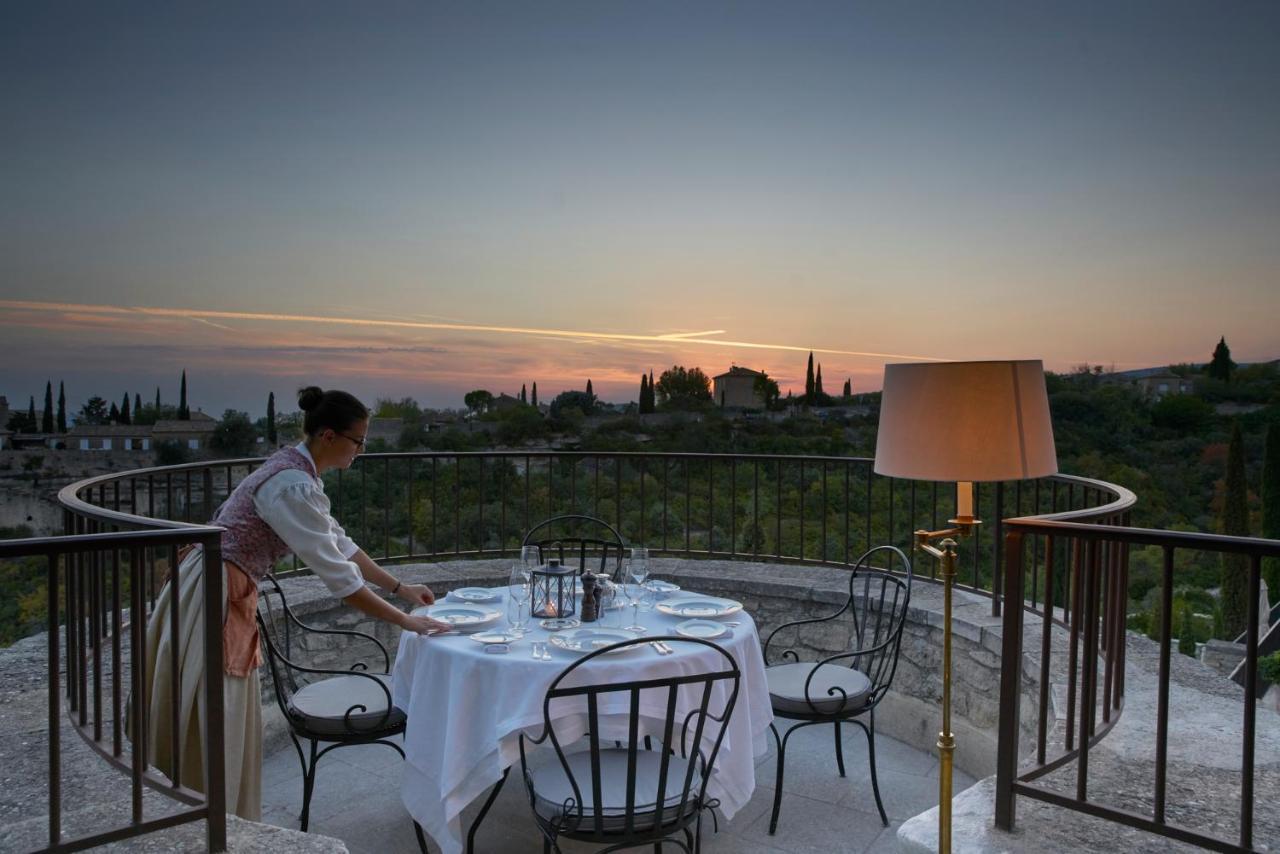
357 800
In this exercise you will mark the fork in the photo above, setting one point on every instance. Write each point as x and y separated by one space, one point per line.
661 648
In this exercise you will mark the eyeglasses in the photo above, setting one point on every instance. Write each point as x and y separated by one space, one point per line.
359 441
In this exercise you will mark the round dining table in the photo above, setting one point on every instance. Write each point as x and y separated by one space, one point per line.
467 708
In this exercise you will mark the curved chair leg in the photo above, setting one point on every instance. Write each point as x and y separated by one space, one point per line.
777 786
871 755
308 786
422 838
475 825
839 750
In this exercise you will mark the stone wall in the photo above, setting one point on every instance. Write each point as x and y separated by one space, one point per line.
773 595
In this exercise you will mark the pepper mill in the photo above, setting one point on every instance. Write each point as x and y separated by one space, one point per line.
590 601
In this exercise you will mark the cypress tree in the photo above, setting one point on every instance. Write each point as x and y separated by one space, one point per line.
644 393
183 413
1220 366
271 418
157 401
848 388
125 418
31 415
1186 640
1235 522
137 404
590 393
524 393
113 416
535 394
817 384
808 382
62 407
1271 506
46 417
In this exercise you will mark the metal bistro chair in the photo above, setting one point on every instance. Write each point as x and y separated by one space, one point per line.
628 796
348 707
606 544
844 687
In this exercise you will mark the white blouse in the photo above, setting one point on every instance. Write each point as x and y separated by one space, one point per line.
293 503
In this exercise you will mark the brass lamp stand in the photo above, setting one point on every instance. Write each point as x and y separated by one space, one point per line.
946 555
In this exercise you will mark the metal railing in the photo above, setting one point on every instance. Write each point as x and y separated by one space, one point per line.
95 593
1093 561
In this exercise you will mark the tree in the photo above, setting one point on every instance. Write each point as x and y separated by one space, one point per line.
818 393
19 422
590 393
1271 506
808 382
1186 637
94 411
766 388
572 400
680 388
124 410
31 416
642 404
848 388
271 418
137 405
1221 366
184 414
1234 571
534 398
524 393
478 401
114 415
62 408
234 436
46 418
157 398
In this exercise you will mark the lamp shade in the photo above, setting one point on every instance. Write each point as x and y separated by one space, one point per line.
965 421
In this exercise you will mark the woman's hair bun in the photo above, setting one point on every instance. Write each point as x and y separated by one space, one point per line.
309 398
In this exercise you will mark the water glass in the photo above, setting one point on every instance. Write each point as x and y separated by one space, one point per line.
529 558
638 565
635 595
517 609
610 606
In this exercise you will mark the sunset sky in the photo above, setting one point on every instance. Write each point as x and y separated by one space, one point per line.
421 199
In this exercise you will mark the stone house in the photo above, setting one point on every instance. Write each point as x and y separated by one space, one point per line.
193 434
107 437
736 389
1162 384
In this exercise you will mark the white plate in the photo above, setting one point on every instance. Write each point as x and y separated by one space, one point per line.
474 594
704 629
495 637
556 624
589 640
693 605
664 588
463 618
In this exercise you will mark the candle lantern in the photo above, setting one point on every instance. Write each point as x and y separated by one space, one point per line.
554 589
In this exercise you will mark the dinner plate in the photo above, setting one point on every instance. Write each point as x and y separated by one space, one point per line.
463 618
474 594
556 624
693 605
704 629
495 637
591 639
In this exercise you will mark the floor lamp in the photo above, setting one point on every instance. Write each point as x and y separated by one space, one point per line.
962 422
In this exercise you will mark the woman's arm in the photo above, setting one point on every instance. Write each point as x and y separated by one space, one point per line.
417 594
368 602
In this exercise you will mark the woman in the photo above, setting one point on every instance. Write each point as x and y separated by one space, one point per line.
279 508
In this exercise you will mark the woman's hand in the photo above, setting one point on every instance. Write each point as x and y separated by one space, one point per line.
424 625
416 594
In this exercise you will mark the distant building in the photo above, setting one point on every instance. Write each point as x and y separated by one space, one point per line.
1163 384
386 429
736 389
4 413
193 434
4 436
109 437
504 401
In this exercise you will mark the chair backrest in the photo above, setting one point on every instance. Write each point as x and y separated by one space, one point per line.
701 731
592 543
878 601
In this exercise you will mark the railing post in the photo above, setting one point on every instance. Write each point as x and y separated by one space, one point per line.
214 782
1010 676
55 752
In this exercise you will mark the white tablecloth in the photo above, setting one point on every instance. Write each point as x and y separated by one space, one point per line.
467 708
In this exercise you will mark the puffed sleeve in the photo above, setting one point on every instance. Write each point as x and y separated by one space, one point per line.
299 514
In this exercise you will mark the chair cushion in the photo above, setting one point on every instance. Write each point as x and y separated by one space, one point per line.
786 688
321 707
552 790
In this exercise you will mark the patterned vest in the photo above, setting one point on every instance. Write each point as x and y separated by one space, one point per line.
249 542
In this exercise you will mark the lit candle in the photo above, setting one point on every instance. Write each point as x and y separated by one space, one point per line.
964 499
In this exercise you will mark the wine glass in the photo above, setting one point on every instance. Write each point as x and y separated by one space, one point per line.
635 591
517 608
529 557
638 566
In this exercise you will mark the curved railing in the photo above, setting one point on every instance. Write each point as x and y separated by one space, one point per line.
442 505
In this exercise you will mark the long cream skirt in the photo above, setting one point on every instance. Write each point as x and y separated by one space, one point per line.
242 709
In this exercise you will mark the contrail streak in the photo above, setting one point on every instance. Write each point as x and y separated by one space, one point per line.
205 314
